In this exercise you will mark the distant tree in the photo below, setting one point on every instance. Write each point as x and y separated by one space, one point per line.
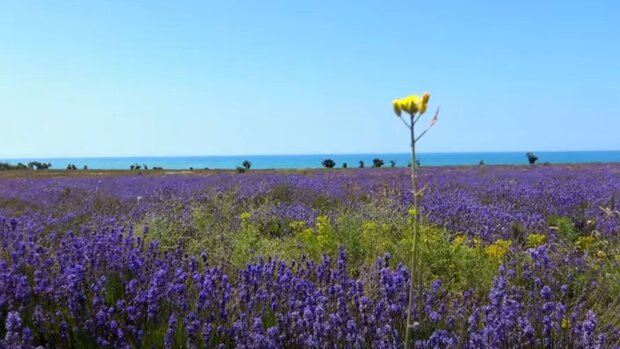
418 163
191 168
345 165
69 167
145 167
531 158
481 163
328 163
132 167
36 165
392 163
361 163
21 166
85 168
246 164
377 162
138 167
241 169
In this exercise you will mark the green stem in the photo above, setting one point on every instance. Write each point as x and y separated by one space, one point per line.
413 265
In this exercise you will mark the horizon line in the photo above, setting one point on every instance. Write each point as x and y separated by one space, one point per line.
284 155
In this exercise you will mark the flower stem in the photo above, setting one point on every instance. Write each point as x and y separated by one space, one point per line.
413 265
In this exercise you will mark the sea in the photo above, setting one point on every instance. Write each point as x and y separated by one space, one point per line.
314 161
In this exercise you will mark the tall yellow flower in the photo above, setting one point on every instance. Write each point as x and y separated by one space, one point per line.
410 104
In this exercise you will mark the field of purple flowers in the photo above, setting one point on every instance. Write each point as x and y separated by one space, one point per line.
513 257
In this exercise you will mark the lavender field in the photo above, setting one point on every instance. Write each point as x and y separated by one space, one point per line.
512 257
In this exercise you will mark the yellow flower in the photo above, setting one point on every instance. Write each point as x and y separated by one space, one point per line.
245 216
498 249
396 104
424 103
409 104
459 240
565 323
585 242
297 225
535 240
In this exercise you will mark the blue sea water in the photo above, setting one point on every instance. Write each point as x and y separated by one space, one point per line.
314 161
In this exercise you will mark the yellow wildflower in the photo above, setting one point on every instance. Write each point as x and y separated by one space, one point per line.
585 242
565 323
410 104
396 104
458 240
297 225
425 97
535 240
499 249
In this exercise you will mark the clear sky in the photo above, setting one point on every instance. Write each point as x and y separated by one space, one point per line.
115 78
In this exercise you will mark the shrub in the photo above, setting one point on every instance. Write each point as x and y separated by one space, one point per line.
392 163
361 164
6 166
377 162
345 165
328 163
531 158
36 165
246 164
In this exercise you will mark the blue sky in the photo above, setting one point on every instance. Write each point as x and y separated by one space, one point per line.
115 78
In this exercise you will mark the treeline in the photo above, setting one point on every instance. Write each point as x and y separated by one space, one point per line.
376 163
33 165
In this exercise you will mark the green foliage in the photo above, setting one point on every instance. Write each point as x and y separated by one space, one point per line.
236 232
565 227
377 162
